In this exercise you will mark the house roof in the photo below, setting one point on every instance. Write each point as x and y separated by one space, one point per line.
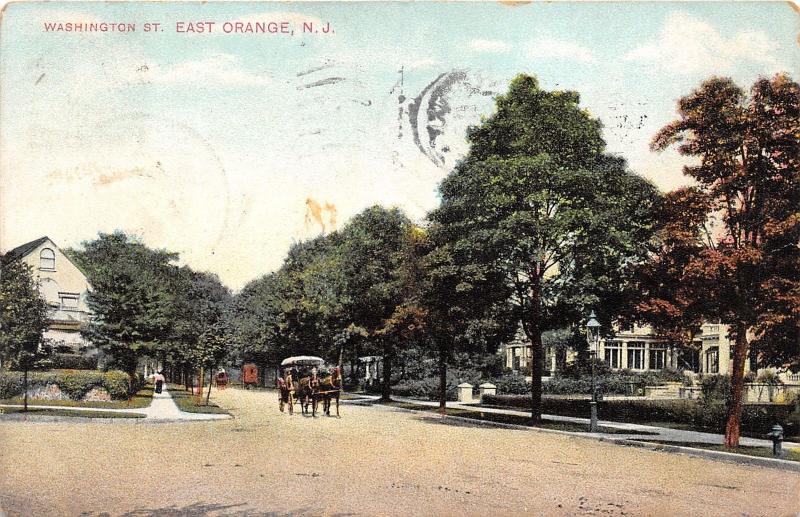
24 249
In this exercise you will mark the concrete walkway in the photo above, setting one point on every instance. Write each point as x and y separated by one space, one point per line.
162 409
664 434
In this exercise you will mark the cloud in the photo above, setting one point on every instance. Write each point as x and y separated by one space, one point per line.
489 45
219 69
422 63
687 45
549 48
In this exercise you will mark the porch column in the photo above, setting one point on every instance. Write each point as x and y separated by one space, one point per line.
623 361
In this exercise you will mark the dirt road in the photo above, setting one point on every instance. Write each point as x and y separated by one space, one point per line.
372 461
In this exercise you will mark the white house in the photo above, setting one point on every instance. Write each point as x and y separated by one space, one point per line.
64 287
638 348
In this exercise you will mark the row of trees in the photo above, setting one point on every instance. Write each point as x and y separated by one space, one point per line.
146 305
537 225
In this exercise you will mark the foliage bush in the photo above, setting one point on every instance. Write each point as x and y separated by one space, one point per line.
715 388
512 384
428 388
757 419
769 377
10 384
73 362
74 383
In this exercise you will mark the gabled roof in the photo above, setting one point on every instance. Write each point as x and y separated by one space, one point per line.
21 251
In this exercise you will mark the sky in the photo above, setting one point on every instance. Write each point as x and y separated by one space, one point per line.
228 147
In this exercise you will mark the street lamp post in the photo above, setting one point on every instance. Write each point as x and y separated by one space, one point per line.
593 331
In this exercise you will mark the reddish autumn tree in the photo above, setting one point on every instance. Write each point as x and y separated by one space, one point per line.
730 247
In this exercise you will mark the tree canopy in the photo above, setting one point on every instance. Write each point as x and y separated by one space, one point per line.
23 316
538 201
730 244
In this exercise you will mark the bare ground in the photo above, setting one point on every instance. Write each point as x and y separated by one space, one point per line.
372 461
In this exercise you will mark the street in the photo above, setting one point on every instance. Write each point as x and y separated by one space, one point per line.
372 461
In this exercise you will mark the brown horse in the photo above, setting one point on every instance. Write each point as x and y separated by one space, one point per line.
330 388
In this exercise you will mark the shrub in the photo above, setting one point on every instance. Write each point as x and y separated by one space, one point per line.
769 377
716 388
73 362
428 388
73 383
77 383
512 384
578 369
10 384
757 419
118 384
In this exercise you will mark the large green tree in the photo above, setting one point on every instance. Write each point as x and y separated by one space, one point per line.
130 296
372 251
199 314
23 319
539 201
731 243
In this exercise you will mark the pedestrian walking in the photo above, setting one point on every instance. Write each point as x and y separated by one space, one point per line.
159 381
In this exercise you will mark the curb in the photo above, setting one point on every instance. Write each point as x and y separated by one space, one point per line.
726 457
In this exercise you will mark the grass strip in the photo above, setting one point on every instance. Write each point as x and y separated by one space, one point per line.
512 419
194 403
34 411
745 450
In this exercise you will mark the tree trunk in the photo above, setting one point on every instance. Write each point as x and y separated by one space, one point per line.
442 379
208 395
537 368
533 330
386 387
25 387
733 426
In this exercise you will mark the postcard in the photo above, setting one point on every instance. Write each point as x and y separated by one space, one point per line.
399 258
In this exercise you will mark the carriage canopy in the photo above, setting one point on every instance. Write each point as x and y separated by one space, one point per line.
303 360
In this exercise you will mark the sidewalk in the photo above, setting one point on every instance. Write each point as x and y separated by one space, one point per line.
665 434
161 409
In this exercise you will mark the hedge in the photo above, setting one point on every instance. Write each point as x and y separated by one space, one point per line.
73 362
757 419
74 383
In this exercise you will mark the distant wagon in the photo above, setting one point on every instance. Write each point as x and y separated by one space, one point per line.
307 380
249 375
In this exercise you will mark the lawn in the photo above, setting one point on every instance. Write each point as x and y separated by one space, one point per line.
510 419
761 452
139 400
193 404
34 411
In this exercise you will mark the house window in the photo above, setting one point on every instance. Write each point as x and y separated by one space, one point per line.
68 300
47 259
658 357
636 355
712 360
613 355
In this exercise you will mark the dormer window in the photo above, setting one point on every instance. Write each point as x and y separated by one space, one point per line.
47 260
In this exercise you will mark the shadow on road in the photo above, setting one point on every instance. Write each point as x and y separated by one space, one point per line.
452 422
200 509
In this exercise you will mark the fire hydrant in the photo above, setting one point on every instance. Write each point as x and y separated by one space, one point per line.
776 435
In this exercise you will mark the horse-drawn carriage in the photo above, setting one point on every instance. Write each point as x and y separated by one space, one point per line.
308 381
